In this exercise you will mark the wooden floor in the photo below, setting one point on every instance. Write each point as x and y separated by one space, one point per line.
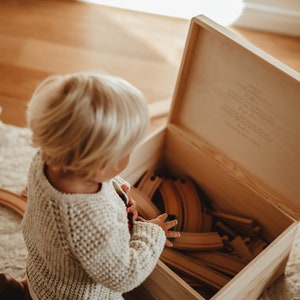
38 38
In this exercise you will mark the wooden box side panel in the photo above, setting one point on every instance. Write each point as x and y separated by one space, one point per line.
231 188
165 284
262 271
145 157
243 103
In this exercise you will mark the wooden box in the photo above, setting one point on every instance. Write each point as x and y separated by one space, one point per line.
234 128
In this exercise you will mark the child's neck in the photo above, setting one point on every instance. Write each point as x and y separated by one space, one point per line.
70 183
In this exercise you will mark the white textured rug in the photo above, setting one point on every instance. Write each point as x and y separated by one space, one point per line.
15 157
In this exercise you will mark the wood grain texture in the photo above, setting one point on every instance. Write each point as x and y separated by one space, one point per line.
38 38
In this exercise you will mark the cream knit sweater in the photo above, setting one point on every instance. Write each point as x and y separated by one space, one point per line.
79 245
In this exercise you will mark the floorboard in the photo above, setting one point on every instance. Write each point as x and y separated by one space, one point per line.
39 38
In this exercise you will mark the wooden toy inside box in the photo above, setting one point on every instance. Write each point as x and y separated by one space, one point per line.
234 128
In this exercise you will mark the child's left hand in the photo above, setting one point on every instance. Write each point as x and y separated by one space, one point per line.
132 208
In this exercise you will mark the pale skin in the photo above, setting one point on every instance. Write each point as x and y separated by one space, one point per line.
73 184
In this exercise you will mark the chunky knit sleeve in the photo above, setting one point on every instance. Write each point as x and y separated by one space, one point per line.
112 256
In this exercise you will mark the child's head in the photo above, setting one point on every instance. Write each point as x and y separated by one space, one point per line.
88 120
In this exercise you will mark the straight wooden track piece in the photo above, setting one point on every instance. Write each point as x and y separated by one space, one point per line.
241 225
172 201
149 183
15 202
145 206
198 241
194 283
195 269
224 228
220 261
192 207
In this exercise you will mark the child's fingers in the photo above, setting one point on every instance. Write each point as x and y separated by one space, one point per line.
168 243
131 209
132 206
173 234
171 224
135 215
124 187
163 217
141 219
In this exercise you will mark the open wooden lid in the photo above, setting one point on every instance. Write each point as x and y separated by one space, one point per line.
243 102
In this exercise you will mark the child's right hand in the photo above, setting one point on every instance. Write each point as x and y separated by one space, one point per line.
166 226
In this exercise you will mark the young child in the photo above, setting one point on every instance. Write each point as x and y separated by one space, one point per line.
76 227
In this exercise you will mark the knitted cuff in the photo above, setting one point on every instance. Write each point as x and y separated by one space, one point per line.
149 231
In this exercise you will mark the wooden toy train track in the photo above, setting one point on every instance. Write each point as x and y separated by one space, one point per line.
214 245
13 201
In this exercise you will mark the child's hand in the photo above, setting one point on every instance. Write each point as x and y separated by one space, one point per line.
132 208
166 226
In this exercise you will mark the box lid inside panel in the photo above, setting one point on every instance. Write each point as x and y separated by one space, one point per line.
243 102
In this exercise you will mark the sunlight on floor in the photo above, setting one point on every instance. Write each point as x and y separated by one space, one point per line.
223 12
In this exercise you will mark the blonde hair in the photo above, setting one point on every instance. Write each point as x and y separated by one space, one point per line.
86 120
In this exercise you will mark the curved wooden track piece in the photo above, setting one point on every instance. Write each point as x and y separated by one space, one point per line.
13 201
172 201
192 208
149 183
